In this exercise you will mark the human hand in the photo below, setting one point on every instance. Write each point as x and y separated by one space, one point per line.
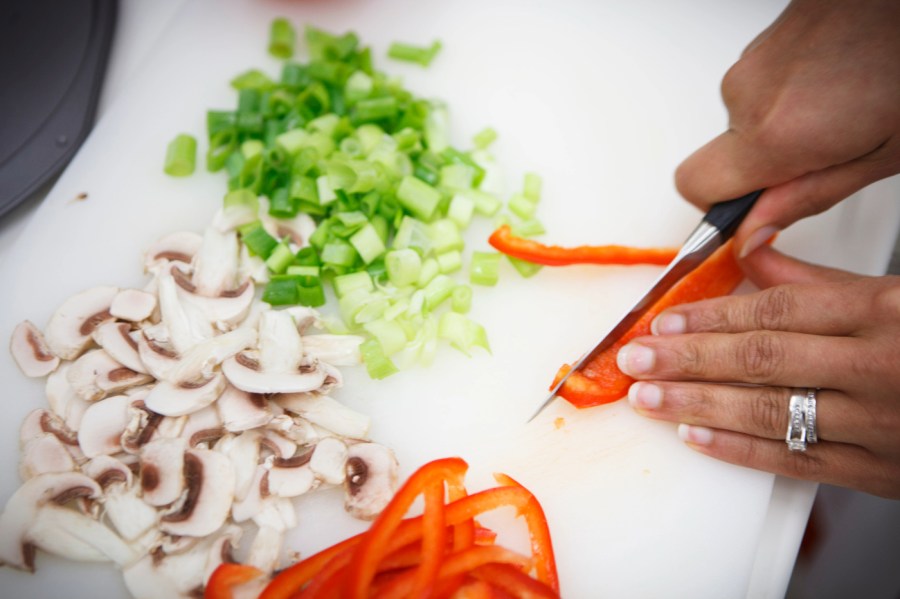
826 329
814 116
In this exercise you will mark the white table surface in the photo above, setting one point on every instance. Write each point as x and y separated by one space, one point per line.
140 25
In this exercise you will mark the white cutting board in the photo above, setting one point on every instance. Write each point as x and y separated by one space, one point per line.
603 100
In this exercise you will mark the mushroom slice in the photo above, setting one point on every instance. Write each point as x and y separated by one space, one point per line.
103 424
298 229
63 400
254 501
326 412
203 426
275 518
174 247
40 421
186 325
96 374
337 350
244 372
69 331
329 460
44 454
30 351
371 479
73 535
162 471
16 544
290 477
133 305
229 306
209 480
241 411
142 427
243 451
177 400
127 512
118 340
199 361
216 262
156 351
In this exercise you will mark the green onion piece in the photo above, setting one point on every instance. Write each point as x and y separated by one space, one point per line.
403 266
418 197
304 189
528 228
375 109
253 79
445 236
252 147
280 258
241 198
281 38
307 256
449 261
484 138
301 270
281 290
460 210
378 365
293 140
531 188
389 333
457 176
311 295
437 127
359 86
485 268
324 191
345 284
339 253
218 120
486 204
368 243
430 270
525 268
282 205
181 156
257 240
462 332
411 53
461 299
438 290
412 233
522 206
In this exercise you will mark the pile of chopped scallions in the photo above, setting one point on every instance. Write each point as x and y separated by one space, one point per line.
372 165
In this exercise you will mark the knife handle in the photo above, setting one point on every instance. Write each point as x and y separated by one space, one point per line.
728 215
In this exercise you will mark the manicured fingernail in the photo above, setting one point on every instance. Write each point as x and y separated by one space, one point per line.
668 324
695 435
756 239
646 396
635 359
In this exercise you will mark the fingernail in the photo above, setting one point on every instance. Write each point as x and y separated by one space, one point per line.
695 435
635 359
646 396
668 324
756 239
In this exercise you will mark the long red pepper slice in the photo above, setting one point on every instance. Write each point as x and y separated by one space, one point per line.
601 381
504 241
227 576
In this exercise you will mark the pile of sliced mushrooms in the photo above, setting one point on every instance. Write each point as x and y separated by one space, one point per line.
184 415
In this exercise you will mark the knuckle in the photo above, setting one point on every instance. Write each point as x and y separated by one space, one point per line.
767 412
774 309
760 356
886 301
691 360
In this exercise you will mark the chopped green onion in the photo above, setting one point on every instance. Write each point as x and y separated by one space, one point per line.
257 239
281 290
457 176
345 284
253 79
378 365
242 198
522 206
339 253
418 197
484 138
449 261
461 299
485 203
181 156
403 266
437 290
389 334
281 38
411 53
460 210
531 189
445 236
485 268
525 268
430 270
280 258
462 332
528 228
311 295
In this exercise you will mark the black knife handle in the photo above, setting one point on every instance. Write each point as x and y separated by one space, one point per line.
728 215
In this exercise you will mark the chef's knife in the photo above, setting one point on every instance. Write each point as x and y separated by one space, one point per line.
717 227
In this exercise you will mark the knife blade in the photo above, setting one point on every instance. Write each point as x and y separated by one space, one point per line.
717 227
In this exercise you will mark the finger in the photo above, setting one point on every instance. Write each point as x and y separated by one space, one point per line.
767 267
759 411
757 357
831 310
832 463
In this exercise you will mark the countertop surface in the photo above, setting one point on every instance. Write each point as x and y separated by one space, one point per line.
657 516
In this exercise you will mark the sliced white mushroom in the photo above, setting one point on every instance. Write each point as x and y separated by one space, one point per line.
275 518
371 479
216 263
143 426
280 343
174 247
337 350
71 534
44 454
177 400
241 410
102 426
228 306
326 412
199 361
290 477
69 331
130 516
96 374
162 470
185 324
329 460
133 305
157 352
244 372
31 352
63 400
243 451
278 444
257 494
209 480
18 517
120 342
203 426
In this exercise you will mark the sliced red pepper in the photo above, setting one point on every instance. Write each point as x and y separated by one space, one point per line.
601 381
504 241
227 576
512 580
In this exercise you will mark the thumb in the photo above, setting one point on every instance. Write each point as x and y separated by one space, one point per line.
767 267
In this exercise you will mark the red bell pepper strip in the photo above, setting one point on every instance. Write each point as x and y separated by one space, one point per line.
601 381
227 576
504 241
512 580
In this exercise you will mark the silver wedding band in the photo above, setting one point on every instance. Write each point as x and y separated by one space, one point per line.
801 419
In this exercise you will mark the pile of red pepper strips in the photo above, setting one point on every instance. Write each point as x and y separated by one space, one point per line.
441 553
